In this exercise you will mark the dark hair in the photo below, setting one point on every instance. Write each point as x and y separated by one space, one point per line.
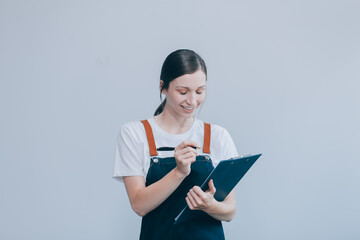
178 63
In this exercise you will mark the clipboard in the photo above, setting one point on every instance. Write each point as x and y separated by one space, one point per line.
225 177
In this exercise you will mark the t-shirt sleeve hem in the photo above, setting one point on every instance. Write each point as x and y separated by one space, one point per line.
120 177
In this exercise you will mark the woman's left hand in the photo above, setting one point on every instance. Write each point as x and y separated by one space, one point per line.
197 199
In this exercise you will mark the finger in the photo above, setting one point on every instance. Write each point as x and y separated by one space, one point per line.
189 155
195 151
190 149
180 146
190 205
212 188
191 200
190 143
186 158
186 150
184 144
200 193
198 199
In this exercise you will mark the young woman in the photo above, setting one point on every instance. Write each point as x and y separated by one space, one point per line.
161 159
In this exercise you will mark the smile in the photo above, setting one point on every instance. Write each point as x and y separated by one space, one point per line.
188 108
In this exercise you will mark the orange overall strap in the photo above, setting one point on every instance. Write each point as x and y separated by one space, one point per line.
207 136
150 138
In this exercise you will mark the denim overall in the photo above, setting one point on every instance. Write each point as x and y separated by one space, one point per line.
159 223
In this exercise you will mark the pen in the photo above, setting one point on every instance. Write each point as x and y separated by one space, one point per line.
172 148
195 147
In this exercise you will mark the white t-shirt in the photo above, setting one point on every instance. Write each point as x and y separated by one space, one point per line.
132 157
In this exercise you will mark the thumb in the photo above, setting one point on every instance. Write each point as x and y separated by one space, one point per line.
212 188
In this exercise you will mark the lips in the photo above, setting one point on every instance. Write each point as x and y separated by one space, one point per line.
189 108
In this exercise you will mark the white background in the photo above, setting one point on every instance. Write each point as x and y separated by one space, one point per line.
282 79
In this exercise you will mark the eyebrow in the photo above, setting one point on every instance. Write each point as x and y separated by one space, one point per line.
189 88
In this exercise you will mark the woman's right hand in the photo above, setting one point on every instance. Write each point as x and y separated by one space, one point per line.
185 155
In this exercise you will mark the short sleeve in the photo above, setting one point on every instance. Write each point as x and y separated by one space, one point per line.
129 153
222 145
228 149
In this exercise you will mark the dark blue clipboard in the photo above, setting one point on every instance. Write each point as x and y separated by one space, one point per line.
225 176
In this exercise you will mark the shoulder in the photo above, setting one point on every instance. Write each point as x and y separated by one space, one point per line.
133 129
217 128
133 125
222 142
218 131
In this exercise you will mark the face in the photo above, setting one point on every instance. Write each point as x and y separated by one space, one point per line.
185 94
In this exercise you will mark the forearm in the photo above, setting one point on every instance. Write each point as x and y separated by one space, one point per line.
222 211
146 199
197 199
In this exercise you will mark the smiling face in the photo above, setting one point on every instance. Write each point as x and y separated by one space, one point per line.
185 94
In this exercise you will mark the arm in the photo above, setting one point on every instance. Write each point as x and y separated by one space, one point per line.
144 199
205 201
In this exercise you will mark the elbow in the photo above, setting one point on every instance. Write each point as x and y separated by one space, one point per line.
138 206
138 210
230 216
140 213
229 219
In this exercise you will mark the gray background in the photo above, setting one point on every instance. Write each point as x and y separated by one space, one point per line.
283 79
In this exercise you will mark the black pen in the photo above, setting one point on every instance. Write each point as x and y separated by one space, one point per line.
172 148
195 147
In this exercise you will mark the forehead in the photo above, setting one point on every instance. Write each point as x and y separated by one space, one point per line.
193 80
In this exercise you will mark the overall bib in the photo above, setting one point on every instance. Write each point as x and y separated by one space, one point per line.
159 223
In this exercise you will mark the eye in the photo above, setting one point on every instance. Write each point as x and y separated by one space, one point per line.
182 92
199 92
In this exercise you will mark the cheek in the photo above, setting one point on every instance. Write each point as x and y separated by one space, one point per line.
177 98
201 98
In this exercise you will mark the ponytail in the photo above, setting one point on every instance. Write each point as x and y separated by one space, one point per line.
160 108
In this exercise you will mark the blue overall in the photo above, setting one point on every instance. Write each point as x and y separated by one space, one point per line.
159 223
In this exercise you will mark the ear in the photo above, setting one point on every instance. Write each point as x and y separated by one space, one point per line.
163 91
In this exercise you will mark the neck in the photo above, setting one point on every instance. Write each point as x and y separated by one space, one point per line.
173 124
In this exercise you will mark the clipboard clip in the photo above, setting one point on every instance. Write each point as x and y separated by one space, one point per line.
241 156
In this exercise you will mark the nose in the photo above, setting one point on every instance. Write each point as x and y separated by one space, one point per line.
191 100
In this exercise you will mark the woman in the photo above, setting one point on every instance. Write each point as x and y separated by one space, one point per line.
160 180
